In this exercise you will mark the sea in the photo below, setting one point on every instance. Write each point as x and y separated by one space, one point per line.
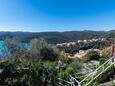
3 52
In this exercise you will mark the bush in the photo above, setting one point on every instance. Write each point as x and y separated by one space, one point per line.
48 54
102 60
92 55
76 66
17 73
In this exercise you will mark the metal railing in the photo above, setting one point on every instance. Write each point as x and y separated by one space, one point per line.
92 76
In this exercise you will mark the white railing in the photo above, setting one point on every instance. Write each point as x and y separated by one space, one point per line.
93 75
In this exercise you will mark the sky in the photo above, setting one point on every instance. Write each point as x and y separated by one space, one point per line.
57 15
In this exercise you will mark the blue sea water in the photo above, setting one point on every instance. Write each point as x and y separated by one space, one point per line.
3 50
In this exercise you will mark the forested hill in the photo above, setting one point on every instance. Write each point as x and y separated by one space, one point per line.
109 34
57 37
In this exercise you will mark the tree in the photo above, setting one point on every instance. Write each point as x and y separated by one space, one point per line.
48 54
106 52
76 66
92 55
40 50
102 60
21 73
12 46
35 46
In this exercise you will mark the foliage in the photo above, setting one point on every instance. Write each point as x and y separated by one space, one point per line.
106 52
16 73
71 69
40 50
36 45
48 54
106 75
30 67
102 60
92 55
66 74
59 37
110 34
41 64
76 66
85 46
53 37
12 46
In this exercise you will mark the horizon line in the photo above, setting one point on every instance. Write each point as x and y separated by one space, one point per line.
56 31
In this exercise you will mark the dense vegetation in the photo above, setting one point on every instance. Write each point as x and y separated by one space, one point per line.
85 46
59 37
110 34
53 37
42 64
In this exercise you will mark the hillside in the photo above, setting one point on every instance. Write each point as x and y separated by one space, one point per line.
54 37
58 37
109 34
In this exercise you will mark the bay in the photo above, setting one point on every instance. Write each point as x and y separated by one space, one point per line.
3 48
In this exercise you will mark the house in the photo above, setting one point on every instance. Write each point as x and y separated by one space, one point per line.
79 41
80 54
85 41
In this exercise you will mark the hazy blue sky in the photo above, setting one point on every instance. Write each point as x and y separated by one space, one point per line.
57 15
